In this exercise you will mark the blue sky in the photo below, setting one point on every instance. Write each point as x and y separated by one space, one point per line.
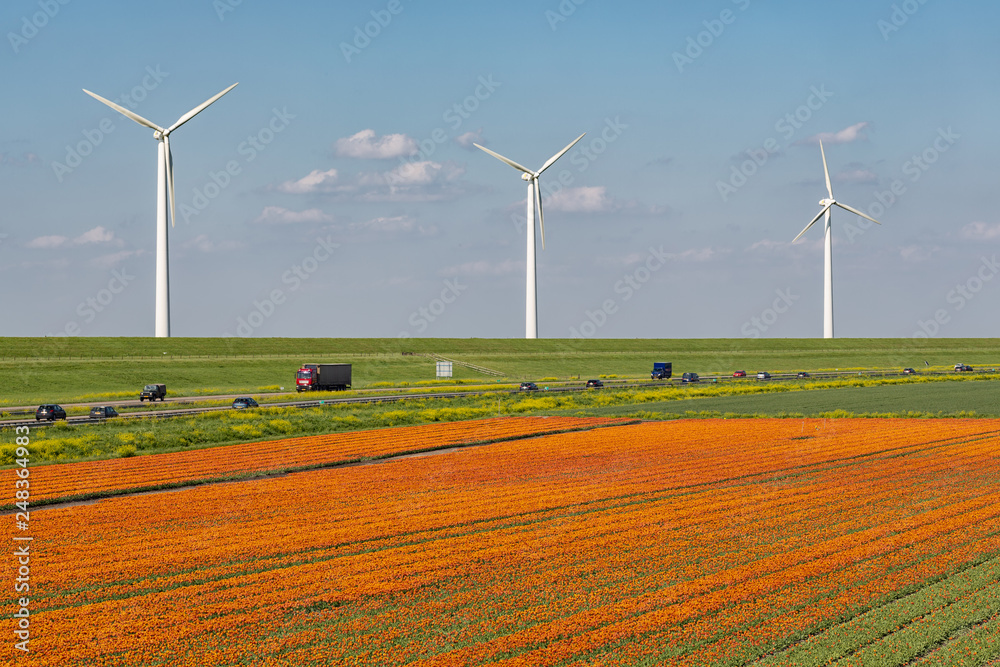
355 205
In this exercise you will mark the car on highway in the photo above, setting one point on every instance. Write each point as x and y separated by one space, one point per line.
803 374
103 412
763 375
963 368
244 402
740 374
529 386
690 377
49 412
909 371
595 384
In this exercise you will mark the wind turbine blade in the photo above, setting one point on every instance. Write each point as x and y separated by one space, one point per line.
198 109
558 155
826 170
857 212
125 112
538 203
169 158
503 159
811 223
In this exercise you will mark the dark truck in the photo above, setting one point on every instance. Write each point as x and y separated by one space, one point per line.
323 377
152 392
661 371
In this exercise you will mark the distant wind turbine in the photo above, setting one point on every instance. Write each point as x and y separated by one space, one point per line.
828 205
164 190
534 201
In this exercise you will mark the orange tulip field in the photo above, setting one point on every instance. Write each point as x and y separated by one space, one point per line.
709 542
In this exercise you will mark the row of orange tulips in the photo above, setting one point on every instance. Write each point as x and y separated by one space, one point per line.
64 480
679 543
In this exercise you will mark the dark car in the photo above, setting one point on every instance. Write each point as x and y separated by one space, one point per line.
244 402
803 374
103 412
151 392
596 384
909 371
690 377
763 375
49 412
529 386
963 368
740 374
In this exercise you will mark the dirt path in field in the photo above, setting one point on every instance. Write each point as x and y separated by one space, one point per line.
195 485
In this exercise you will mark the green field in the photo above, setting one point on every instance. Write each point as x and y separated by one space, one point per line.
64 370
83 370
944 399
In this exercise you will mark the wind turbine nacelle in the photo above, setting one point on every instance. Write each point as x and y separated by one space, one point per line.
526 177
826 202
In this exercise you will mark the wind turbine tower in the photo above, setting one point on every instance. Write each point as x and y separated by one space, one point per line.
534 202
164 192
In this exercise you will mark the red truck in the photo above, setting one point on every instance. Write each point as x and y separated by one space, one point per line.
323 377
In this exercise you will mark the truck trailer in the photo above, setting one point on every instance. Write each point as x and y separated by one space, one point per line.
323 377
661 371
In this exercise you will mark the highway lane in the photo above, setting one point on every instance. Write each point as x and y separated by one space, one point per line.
390 395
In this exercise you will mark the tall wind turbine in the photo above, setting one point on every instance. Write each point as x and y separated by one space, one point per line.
164 191
828 205
534 201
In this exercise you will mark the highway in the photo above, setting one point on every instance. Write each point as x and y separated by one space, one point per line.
142 410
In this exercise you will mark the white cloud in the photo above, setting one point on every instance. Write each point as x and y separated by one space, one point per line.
276 215
115 259
96 235
915 253
862 176
410 182
397 225
484 268
981 231
580 200
47 242
698 255
845 136
203 243
316 182
366 145
466 140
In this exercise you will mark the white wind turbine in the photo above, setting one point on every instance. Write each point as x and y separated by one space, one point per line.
828 205
534 201
164 191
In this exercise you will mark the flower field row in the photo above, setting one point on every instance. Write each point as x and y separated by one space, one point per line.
116 475
681 543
